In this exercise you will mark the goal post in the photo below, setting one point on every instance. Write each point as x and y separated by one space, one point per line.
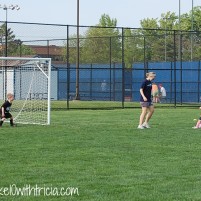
29 79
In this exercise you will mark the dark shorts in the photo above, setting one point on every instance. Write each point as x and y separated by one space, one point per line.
146 104
7 115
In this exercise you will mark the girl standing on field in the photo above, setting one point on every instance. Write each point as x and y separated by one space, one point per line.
145 101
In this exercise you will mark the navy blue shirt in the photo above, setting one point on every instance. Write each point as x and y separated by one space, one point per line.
147 87
6 106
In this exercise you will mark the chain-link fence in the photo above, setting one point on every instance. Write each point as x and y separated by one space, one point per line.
104 66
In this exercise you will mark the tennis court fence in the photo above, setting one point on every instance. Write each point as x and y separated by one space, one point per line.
104 66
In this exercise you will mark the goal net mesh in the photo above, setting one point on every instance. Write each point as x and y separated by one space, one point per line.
29 80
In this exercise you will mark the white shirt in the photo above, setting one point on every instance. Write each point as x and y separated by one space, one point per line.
104 86
163 92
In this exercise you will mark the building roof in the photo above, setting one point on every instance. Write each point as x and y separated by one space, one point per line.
47 50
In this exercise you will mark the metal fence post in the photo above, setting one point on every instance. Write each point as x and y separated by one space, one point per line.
91 80
110 68
144 56
48 48
199 81
114 82
171 79
175 71
77 92
123 66
68 68
6 54
181 69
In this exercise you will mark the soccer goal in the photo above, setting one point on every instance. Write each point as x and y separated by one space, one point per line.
29 80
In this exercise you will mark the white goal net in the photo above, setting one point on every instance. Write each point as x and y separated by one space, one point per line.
28 79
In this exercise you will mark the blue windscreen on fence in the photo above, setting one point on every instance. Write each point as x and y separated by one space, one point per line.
110 82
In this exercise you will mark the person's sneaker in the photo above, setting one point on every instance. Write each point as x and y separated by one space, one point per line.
140 127
146 125
194 127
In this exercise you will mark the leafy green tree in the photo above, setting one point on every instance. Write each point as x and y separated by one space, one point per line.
159 38
133 47
128 47
73 48
192 42
15 46
154 41
102 42
150 36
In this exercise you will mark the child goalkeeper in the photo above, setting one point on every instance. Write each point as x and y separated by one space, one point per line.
5 110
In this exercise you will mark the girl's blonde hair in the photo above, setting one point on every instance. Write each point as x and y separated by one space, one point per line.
150 74
9 95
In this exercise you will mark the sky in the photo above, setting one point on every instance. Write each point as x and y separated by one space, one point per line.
127 12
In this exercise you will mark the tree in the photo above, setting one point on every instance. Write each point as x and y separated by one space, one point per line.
154 41
102 42
72 41
192 41
15 46
97 44
149 30
159 36
133 47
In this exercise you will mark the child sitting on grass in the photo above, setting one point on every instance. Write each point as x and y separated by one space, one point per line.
198 124
5 110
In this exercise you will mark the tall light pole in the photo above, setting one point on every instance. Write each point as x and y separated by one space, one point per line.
77 93
5 7
192 20
179 14
192 27
179 30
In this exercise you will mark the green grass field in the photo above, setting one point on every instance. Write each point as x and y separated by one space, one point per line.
101 153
